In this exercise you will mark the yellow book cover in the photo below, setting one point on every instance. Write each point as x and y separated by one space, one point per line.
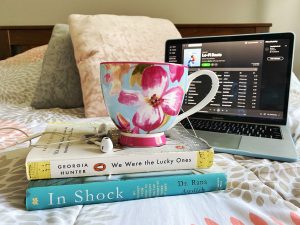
62 152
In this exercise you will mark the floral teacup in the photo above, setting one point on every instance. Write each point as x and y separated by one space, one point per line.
144 98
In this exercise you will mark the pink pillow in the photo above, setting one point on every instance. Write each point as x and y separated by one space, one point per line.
99 38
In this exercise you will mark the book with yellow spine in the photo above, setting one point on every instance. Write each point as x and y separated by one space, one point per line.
62 152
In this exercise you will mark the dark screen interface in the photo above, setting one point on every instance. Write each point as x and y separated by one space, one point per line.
252 76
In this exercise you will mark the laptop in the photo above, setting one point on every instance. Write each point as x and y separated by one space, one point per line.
248 115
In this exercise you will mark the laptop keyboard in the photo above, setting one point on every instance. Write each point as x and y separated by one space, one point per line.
256 130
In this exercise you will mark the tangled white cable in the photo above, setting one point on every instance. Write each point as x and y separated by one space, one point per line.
17 142
106 144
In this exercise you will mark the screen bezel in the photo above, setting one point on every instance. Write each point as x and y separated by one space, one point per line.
243 37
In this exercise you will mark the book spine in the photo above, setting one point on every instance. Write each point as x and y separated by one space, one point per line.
119 164
47 197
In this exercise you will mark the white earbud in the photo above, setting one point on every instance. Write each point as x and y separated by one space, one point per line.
106 145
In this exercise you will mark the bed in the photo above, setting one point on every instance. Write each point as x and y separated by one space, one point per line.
259 191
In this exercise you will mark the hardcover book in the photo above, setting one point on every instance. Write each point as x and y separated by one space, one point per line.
55 193
64 152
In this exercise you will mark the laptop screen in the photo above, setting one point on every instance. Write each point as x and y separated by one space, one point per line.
253 70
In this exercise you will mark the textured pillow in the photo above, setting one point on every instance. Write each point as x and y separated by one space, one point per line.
19 76
59 84
98 38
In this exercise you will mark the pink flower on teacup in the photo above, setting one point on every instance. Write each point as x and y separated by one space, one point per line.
155 101
176 72
124 125
107 77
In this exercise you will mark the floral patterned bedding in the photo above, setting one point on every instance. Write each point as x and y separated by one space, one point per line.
259 191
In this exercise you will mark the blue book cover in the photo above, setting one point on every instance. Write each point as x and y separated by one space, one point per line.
55 193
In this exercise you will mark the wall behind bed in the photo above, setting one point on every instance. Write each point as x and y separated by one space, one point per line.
282 14
36 12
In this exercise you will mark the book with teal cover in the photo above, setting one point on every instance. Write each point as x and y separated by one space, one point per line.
55 193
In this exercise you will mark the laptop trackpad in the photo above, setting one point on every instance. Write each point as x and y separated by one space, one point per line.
220 140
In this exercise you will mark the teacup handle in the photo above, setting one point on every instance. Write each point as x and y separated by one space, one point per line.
213 91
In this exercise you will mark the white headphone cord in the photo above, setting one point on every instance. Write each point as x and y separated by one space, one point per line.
29 138
195 134
17 129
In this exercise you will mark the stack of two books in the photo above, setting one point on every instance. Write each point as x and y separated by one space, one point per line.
64 170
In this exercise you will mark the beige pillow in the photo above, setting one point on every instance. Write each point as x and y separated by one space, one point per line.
99 38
